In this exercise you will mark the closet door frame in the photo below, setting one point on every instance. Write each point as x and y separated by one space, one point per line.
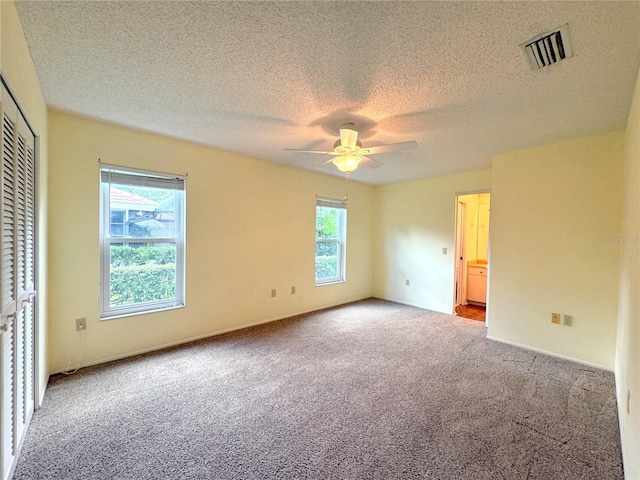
20 395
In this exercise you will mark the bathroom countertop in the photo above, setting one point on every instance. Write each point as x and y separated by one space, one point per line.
476 264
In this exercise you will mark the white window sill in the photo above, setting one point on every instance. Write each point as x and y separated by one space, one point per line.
332 282
142 312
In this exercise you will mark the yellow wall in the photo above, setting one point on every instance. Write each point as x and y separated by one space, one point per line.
555 225
483 226
19 73
414 221
477 225
627 360
471 226
553 206
553 209
250 228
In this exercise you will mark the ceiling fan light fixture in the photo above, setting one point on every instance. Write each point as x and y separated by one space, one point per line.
347 164
348 152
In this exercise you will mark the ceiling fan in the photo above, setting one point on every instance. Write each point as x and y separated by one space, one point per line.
348 151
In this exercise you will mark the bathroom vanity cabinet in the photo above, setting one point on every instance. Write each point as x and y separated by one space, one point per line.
477 284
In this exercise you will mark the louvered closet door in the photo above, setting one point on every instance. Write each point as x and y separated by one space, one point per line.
17 325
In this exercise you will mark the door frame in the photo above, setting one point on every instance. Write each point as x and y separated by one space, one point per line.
39 388
36 389
460 271
460 236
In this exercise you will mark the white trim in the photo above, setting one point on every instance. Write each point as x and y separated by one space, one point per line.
17 428
473 192
328 282
341 241
460 284
39 344
129 176
551 354
5 83
147 309
41 391
410 304
207 335
455 263
514 344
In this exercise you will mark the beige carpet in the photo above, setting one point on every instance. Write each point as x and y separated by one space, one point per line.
371 390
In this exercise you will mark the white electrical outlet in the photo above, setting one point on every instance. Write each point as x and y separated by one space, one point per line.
81 324
568 320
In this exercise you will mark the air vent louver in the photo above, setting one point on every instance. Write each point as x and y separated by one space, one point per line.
548 48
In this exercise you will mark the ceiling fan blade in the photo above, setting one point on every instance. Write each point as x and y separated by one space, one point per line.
324 152
348 137
390 147
371 163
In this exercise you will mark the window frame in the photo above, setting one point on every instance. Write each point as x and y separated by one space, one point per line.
341 241
142 178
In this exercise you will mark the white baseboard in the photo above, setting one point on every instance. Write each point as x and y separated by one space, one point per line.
551 354
403 302
198 337
41 391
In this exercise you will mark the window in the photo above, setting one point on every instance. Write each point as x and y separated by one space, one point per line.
142 241
331 234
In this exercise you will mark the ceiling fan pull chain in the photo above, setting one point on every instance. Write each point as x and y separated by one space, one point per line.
346 188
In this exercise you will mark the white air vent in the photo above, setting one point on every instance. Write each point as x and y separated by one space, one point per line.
548 48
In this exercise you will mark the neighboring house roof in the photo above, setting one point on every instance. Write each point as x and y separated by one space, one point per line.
166 209
168 204
121 200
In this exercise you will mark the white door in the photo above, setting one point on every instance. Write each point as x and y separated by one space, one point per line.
17 281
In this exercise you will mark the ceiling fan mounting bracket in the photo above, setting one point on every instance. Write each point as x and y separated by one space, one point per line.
338 146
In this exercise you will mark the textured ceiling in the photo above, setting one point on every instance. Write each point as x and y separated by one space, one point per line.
257 77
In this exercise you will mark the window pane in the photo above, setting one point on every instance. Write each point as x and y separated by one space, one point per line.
145 212
117 216
142 272
327 255
117 230
327 222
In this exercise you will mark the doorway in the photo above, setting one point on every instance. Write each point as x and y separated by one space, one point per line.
472 254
